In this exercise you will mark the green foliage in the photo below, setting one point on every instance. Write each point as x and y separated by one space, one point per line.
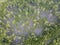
26 10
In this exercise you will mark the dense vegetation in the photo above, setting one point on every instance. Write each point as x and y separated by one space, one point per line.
28 13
